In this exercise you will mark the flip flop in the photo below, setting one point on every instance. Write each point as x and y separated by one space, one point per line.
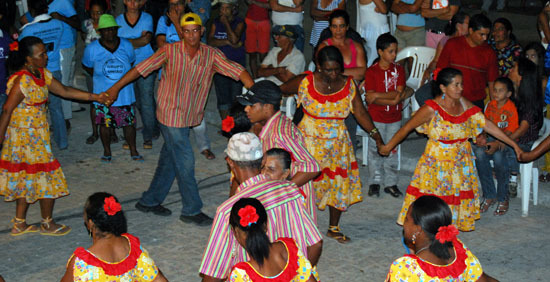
138 158
29 229
208 154
335 233
60 231
106 159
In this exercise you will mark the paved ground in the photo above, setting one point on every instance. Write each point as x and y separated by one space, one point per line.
510 248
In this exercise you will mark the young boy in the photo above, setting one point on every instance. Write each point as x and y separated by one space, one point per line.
502 111
384 87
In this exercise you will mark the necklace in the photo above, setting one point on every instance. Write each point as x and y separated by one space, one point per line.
422 249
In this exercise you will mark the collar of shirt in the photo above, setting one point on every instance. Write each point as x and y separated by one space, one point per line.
267 127
251 181
39 18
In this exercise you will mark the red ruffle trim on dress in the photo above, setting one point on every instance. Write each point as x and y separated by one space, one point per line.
450 118
39 81
332 174
454 269
29 168
290 271
450 200
334 97
113 269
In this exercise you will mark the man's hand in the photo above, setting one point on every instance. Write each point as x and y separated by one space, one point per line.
492 147
103 98
481 140
174 16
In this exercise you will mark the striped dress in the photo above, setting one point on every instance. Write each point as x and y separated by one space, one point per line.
286 215
319 26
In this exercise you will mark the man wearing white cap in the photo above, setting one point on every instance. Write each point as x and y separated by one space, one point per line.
282 200
188 67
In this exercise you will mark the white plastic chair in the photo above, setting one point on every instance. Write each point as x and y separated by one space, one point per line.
530 174
422 56
365 152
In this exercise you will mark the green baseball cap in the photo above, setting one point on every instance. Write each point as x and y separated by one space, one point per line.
106 21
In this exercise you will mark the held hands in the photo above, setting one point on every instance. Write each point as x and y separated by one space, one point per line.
103 98
110 96
520 154
383 150
481 140
492 147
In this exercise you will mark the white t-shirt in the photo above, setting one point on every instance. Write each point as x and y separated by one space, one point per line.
294 62
287 18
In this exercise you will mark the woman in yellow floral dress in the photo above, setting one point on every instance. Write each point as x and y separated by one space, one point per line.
114 255
446 168
327 97
28 169
438 254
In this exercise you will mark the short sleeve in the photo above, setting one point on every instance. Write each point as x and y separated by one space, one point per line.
473 267
352 93
148 22
48 76
239 275
302 91
477 123
146 267
370 83
25 84
131 53
399 271
271 58
161 26
87 57
298 64
225 66
400 76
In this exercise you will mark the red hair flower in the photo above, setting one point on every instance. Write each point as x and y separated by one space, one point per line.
14 46
446 233
248 216
228 123
111 206
436 72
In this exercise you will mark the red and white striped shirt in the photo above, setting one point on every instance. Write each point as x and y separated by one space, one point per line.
185 81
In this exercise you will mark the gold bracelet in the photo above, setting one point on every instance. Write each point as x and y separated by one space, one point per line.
373 131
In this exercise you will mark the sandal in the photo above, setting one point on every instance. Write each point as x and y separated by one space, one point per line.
208 154
91 140
125 146
16 221
502 208
544 177
60 231
138 158
106 159
148 144
335 233
486 204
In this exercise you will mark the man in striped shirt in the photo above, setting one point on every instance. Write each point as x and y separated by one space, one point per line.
183 90
282 200
262 103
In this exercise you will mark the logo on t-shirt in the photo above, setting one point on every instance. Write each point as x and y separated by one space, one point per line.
440 4
503 123
113 69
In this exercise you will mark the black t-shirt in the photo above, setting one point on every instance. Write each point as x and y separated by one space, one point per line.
436 24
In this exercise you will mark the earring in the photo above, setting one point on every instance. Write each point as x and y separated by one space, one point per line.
443 97
413 238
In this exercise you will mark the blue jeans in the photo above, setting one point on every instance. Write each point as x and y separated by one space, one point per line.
176 161
512 159
57 118
145 102
3 98
485 173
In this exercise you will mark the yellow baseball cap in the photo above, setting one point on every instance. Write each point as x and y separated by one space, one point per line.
106 21
190 18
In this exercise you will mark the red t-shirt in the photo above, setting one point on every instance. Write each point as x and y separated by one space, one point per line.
477 64
257 13
380 80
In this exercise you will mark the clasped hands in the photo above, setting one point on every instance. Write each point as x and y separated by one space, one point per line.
107 98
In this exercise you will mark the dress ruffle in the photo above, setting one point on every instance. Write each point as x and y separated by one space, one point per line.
455 269
450 118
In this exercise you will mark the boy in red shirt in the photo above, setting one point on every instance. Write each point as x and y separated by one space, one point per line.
502 111
384 87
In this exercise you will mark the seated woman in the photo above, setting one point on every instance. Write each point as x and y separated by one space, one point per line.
438 254
505 45
280 261
114 255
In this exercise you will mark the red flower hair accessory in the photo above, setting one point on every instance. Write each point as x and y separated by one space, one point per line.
436 72
14 46
446 233
248 216
228 123
111 206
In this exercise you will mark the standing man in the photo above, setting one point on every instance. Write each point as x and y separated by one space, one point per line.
188 67
262 103
474 58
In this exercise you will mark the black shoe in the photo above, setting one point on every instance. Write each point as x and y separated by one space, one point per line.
158 210
374 189
200 219
393 190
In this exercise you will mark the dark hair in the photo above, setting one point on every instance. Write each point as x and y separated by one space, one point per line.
38 7
458 18
330 54
528 98
507 25
326 34
100 3
242 123
255 164
444 77
539 49
339 13
257 242
384 41
282 154
114 224
508 83
479 21
17 59
431 212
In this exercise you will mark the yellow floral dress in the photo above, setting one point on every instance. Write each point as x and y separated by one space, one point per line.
446 168
328 141
410 268
297 269
28 168
137 266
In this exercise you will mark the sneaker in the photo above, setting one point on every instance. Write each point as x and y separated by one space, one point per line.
374 189
513 189
200 219
158 209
